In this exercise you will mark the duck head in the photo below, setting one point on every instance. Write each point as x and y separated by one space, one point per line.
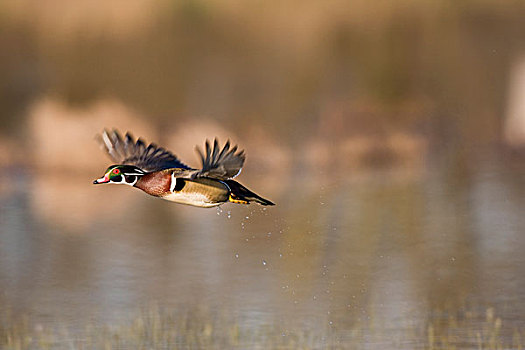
121 174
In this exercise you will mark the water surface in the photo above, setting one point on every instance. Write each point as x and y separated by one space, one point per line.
383 253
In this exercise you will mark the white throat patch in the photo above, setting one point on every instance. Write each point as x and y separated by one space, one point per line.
124 182
131 183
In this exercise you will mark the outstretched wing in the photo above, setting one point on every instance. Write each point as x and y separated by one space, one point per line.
128 151
220 164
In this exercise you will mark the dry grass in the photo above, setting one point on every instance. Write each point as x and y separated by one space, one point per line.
161 329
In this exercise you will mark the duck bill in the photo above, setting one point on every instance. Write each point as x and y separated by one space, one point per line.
104 179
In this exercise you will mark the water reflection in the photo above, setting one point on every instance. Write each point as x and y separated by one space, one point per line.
385 250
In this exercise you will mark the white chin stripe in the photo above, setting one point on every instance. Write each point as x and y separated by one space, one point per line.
123 182
135 179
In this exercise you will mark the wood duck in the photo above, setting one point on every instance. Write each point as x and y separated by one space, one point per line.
159 173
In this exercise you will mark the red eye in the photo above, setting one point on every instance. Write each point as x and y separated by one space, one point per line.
116 171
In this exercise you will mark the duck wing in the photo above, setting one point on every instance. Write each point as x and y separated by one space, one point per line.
128 151
220 164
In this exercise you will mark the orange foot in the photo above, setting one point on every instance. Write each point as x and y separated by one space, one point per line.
238 201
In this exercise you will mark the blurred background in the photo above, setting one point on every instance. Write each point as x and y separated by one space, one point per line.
390 134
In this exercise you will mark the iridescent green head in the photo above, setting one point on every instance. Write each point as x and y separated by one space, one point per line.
121 174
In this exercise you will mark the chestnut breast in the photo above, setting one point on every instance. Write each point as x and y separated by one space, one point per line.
156 184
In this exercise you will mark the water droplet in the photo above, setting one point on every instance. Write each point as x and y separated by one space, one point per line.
246 217
264 262
229 214
280 255
453 259
237 255
315 297
330 322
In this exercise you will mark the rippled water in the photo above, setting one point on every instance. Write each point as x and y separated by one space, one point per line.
382 252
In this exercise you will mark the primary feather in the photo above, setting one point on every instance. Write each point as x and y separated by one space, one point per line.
129 151
220 164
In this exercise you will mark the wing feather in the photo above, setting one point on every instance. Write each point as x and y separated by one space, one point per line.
129 151
220 164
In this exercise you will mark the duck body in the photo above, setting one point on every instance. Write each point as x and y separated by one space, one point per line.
201 192
159 173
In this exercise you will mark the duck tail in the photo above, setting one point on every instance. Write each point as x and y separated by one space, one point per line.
242 195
